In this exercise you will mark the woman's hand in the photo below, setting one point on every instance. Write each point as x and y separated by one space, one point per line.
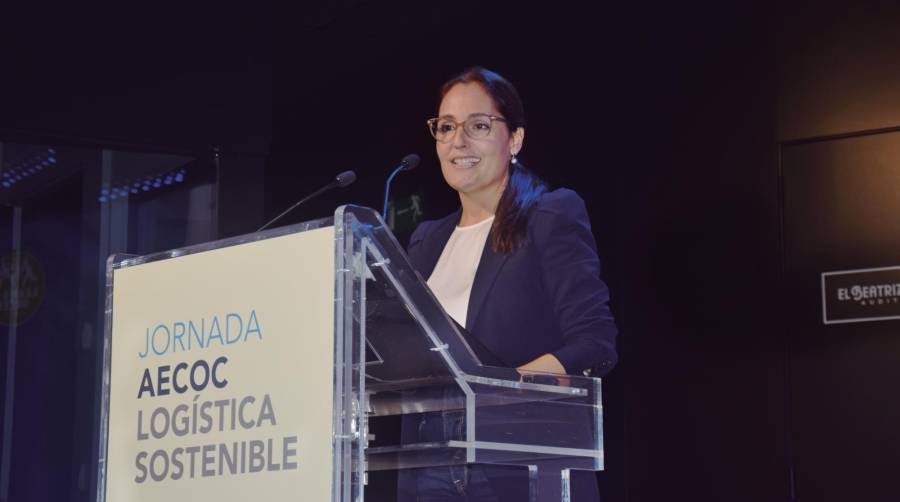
547 363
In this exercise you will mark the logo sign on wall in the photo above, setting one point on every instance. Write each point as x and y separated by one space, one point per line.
871 294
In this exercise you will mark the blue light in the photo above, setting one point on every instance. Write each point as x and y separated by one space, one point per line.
7 184
52 160
109 193
51 150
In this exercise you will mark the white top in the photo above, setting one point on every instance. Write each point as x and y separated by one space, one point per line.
452 278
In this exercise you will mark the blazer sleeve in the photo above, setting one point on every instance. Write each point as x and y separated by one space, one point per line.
570 269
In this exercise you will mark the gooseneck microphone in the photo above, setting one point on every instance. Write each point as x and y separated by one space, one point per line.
339 181
408 163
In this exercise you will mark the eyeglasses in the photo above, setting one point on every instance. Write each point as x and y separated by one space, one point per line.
477 126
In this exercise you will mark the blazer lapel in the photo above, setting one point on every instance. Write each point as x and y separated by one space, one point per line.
488 268
435 244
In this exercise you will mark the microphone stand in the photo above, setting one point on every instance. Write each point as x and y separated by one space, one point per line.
408 163
341 180
301 201
387 190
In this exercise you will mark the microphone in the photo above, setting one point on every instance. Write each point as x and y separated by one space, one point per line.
345 178
408 163
340 181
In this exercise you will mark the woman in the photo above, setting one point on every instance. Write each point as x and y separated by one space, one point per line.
516 264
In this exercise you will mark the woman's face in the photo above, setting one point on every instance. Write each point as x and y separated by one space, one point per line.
475 166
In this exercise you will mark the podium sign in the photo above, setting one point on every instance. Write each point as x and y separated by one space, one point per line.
207 354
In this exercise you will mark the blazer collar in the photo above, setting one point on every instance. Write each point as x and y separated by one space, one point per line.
488 267
436 242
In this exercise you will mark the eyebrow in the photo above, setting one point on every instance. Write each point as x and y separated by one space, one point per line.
451 116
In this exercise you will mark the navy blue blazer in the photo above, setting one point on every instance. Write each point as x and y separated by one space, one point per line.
544 297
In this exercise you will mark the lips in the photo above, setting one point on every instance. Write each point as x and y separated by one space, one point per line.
465 161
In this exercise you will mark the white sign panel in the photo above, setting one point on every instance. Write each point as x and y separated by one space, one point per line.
222 374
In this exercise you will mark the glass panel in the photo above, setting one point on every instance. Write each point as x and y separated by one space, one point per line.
431 396
64 210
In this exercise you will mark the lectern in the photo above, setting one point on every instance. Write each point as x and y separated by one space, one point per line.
255 368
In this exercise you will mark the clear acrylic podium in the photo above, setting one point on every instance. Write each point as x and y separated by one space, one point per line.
399 357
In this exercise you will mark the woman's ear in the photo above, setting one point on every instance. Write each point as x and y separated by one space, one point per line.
515 141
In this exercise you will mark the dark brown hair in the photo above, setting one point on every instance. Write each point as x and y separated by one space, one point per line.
523 188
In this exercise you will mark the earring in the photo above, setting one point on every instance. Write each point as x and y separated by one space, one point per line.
514 161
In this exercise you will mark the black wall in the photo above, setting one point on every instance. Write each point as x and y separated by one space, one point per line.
837 103
843 397
152 75
839 68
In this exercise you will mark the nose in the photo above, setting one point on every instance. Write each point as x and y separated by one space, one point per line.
460 138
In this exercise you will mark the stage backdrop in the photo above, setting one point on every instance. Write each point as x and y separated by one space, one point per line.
222 374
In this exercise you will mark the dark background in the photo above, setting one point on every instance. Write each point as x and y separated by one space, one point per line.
701 136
